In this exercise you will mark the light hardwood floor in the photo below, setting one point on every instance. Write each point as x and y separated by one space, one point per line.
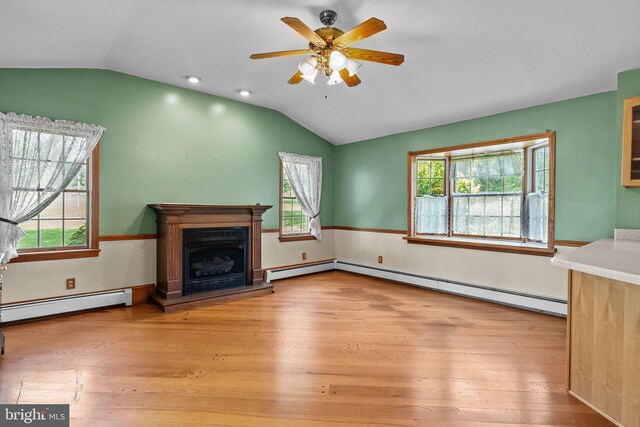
327 349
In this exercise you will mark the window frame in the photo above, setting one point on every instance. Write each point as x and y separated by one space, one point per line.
499 244
282 237
92 249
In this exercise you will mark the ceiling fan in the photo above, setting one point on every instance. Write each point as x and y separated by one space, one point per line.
330 50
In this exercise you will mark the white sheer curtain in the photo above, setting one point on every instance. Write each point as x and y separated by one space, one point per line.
305 176
38 159
535 222
432 215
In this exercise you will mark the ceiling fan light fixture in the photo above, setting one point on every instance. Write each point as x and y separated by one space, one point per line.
353 67
308 67
337 61
335 78
329 50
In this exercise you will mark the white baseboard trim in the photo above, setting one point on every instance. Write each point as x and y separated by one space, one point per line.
48 307
301 270
540 304
529 302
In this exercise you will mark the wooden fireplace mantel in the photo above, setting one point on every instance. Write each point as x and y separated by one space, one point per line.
172 220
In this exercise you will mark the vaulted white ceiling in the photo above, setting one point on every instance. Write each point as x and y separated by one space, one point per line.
463 58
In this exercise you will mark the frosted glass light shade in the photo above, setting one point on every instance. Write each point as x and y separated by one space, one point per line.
335 78
337 61
308 66
353 67
311 78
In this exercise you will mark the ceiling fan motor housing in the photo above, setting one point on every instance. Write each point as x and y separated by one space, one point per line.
328 17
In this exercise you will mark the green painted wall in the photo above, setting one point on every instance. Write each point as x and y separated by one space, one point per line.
372 174
627 199
168 144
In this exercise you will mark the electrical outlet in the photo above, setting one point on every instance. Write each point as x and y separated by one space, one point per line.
71 283
380 259
304 256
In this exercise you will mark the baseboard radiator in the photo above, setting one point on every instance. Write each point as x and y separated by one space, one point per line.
537 303
541 304
53 306
300 270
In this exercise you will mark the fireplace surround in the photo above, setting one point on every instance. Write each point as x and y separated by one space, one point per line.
208 254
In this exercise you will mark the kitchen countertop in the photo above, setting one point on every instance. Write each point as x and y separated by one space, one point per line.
611 258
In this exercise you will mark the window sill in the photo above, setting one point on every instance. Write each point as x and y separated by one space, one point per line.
490 245
55 255
296 238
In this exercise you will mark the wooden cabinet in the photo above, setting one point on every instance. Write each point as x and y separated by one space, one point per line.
631 143
604 346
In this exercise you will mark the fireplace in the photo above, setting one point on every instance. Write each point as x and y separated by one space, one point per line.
208 254
214 258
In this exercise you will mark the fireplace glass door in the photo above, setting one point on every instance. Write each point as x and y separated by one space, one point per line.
215 258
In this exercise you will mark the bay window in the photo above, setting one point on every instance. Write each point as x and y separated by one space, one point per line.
495 195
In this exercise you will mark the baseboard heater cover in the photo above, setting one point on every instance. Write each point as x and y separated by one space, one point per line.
48 307
283 273
541 304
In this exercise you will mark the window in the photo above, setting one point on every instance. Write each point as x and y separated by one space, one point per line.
536 206
541 168
62 224
68 227
431 177
487 194
294 223
494 195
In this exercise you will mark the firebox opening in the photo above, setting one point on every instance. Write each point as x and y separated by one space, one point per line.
215 258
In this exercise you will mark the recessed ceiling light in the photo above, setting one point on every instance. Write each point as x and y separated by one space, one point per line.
193 79
244 92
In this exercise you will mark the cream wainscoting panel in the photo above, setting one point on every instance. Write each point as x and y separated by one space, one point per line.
120 264
276 254
126 263
526 274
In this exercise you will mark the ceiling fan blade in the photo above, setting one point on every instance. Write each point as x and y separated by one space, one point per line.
376 56
297 78
280 53
361 31
304 30
350 81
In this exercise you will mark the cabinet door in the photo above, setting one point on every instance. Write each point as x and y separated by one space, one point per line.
631 143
